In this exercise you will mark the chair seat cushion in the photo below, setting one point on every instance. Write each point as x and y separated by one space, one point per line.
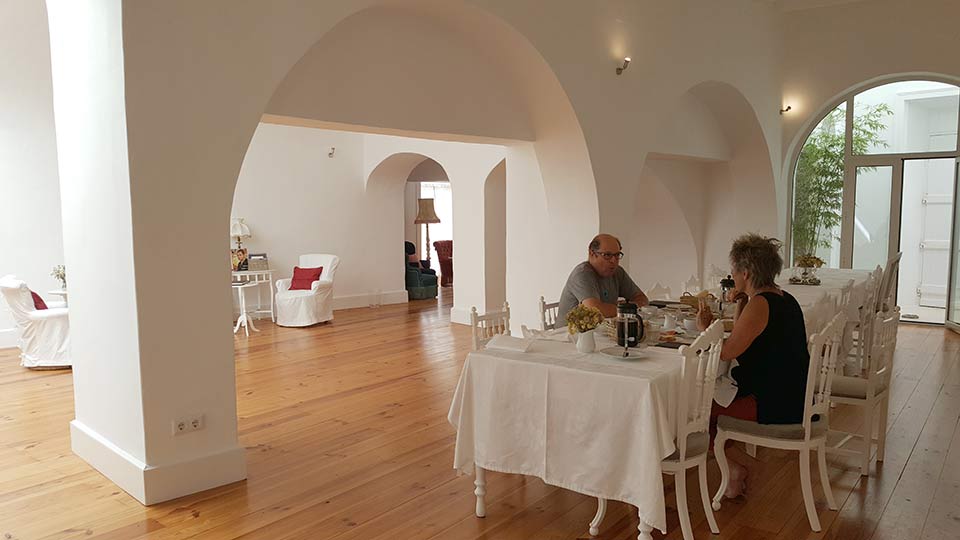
303 278
697 443
853 387
775 431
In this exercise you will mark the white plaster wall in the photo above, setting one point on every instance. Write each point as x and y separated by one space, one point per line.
495 236
31 236
411 231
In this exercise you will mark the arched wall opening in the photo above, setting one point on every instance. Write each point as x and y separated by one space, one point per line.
709 180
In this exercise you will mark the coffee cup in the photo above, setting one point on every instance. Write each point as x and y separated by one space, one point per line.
690 326
669 321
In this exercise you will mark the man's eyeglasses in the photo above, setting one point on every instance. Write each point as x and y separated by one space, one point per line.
608 255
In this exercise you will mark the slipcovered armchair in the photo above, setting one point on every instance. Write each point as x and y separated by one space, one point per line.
445 255
44 333
311 306
420 284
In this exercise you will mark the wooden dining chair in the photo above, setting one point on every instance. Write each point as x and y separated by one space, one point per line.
701 361
808 435
871 392
548 315
489 324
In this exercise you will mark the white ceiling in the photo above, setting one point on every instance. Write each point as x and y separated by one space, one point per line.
795 5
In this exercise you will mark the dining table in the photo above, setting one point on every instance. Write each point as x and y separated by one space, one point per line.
594 423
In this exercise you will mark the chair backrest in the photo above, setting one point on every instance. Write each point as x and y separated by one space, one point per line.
444 248
691 285
18 297
884 342
887 286
823 347
659 292
846 295
548 315
315 260
701 361
488 325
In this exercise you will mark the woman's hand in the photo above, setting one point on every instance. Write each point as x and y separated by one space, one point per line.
704 315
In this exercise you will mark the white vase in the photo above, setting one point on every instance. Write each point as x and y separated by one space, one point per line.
586 343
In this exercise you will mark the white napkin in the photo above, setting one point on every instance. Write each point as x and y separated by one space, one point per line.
509 343
725 390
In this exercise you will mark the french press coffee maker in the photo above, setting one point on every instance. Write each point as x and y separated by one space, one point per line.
726 285
629 326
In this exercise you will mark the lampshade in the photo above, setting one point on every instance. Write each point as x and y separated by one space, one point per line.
239 229
425 212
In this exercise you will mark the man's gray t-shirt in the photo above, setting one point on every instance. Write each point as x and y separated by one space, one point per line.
584 282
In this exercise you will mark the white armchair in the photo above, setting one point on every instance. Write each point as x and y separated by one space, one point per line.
44 333
307 307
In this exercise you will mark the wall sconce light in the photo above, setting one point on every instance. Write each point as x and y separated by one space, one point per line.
626 62
786 110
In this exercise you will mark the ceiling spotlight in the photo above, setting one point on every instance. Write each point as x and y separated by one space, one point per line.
626 62
786 110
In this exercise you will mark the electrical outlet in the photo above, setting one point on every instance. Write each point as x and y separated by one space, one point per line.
186 424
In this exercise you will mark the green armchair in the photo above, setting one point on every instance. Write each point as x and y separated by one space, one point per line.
420 285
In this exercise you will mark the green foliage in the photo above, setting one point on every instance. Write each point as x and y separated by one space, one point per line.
818 183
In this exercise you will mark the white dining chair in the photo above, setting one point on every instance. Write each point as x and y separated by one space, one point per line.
659 292
698 377
808 435
888 286
548 315
491 323
691 285
861 328
872 393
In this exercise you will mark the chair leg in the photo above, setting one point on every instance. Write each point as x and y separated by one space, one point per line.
597 519
705 498
882 430
751 450
807 488
867 434
824 476
680 485
481 483
718 451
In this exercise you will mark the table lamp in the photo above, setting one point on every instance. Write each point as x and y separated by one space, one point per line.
426 215
240 230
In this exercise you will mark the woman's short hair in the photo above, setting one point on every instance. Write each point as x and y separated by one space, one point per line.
759 256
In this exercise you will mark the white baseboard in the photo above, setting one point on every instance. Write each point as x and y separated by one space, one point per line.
155 484
460 315
364 300
8 338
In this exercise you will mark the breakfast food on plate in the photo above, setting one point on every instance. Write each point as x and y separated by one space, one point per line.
668 338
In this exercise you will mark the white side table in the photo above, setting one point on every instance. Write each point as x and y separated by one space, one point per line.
60 292
244 319
258 277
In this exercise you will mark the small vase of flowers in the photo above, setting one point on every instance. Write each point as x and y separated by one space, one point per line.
60 272
808 265
582 321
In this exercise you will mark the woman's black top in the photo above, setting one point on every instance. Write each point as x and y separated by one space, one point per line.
774 367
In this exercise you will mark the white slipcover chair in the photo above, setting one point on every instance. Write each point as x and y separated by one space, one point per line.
44 333
307 307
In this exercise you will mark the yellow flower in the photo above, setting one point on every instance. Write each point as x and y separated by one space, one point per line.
583 319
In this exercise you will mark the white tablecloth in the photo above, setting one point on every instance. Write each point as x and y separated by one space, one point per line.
832 280
586 422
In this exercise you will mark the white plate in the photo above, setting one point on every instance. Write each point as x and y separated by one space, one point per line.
617 352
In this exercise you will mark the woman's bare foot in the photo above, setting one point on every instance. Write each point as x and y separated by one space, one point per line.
737 485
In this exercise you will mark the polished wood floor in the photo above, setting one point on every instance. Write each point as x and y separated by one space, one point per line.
346 436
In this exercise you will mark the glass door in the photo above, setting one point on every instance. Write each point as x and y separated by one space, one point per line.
953 294
871 216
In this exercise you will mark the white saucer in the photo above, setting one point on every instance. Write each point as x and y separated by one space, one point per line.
632 352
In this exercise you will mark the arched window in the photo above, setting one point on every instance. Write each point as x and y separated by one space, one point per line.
876 176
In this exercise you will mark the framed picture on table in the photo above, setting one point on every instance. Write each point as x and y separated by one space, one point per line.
239 262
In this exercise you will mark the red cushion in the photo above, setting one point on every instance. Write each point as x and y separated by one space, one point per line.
38 302
303 278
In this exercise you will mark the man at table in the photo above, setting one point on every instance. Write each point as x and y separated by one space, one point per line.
599 281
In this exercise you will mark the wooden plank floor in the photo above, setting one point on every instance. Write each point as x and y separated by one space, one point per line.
346 437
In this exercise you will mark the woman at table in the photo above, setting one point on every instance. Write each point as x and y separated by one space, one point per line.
768 341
